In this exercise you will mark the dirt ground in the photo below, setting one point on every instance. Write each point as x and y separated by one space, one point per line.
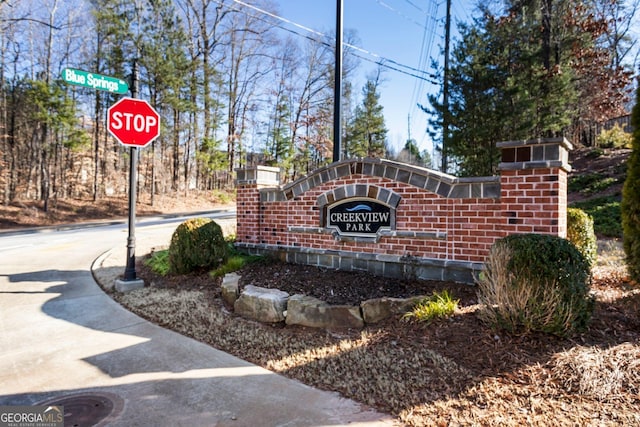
29 213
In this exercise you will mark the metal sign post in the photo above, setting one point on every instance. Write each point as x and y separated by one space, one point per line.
135 124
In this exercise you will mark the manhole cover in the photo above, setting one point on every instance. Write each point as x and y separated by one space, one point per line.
88 409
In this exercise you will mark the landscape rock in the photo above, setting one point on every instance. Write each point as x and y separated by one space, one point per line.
229 289
262 304
375 310
313 312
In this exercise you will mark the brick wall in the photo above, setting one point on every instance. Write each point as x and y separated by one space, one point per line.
443 225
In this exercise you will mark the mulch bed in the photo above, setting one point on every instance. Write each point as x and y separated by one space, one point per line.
463 337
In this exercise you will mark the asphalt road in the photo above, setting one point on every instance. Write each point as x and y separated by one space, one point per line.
63 341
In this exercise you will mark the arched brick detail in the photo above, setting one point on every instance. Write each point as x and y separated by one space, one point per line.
381 194
425 179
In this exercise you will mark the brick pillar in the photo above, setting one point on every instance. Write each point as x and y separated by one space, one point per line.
249 181
533 180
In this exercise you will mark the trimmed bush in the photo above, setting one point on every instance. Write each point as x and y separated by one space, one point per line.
630 207
195 245
535 282
580 233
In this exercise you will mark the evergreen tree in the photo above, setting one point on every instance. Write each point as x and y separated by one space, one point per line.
280 150
411 154
535 71
367 134
166 73
630 207
480 109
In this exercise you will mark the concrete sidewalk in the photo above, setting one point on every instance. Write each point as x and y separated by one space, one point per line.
81 348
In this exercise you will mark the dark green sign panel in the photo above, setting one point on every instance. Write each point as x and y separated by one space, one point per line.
359 217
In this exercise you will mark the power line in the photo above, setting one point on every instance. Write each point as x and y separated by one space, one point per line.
381 60
425 53
408 18
459 10
416 6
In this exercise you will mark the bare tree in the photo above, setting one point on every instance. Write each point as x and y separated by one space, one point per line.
204 18
248 62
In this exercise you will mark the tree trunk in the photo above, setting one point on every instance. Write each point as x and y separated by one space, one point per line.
546 33
44 174
175 172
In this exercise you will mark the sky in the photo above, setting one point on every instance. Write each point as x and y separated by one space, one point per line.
406 34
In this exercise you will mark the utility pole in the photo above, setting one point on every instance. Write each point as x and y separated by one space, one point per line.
337 90
445 89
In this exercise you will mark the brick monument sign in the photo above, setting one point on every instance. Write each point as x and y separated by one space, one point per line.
399 220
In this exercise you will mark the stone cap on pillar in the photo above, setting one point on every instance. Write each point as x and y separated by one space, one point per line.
258 175
535 153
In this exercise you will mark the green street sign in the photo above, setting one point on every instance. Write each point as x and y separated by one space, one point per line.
94 81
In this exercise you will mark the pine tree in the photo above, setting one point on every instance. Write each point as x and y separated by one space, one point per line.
630 207
537 70
367 134
411 154
279 147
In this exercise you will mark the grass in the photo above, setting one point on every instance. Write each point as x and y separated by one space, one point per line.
438 306
234 263
607 217
590 183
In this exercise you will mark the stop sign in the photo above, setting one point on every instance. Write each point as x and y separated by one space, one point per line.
133 122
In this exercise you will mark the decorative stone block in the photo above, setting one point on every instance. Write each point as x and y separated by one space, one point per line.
229 288
262 304
375 310
309 311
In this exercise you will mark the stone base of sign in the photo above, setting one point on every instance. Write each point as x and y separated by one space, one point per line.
125 286
392 266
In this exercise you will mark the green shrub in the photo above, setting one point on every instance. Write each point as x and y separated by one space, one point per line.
158 261
196 244
534 282
595 153
630 208
591 183
606 214
580 233
438 306
615 137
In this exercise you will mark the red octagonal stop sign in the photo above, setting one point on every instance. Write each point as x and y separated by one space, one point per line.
133 122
